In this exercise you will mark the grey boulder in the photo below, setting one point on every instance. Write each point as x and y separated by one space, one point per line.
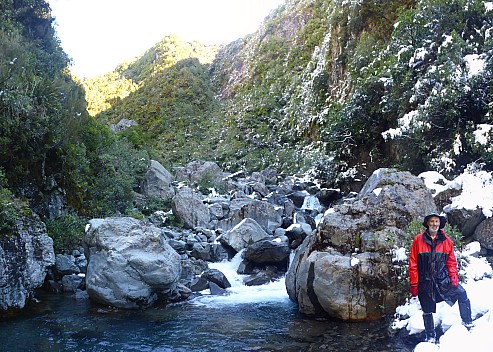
130 264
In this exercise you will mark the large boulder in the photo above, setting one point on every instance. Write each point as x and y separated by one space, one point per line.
247 232
25 256
217 277
466 220
484 234
130 264
158 182
267 251
345 269
264 213
188 206
297 232
65 264
202 174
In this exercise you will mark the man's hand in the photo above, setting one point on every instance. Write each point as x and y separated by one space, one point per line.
454 281
414 290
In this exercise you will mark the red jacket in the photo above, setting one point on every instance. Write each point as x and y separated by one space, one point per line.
432 264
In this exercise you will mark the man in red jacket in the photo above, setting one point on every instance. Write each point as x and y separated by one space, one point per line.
433 273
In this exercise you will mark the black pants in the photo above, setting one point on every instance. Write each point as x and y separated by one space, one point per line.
428 305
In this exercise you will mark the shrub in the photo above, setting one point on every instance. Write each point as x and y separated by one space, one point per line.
153 204
67 232
10 207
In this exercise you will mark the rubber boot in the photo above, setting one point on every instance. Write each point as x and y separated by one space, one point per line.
465 314
429 327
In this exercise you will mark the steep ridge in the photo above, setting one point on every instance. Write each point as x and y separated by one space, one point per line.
341 87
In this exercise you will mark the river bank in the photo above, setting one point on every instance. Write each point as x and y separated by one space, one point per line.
242 322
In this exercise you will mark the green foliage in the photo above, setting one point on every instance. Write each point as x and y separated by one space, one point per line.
44 126
333 80
431 80
151 205
8 206
67 232
414 228
171 99
37 101
415 68
105 91
110 90
117 169
41 107
456 236
313 89
264 74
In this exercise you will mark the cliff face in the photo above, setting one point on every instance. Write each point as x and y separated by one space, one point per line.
352 86
25 255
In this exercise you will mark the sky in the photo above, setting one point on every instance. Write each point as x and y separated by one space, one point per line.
98 35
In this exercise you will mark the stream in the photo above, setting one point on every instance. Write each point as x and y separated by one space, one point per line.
255 318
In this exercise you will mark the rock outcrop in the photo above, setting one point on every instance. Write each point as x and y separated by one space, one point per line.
247 232
345 269
188 207
130 263
205 174
25 256
264 213
158 182
484 234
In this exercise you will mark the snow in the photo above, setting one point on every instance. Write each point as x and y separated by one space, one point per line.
419 55
481 134
329 211
354 261
457 145
475 64
399 255
311 202
404 122
477 190
447 40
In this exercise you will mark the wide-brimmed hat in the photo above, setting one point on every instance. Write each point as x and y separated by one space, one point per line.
443 220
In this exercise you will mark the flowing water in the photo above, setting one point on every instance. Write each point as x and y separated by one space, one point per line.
248 319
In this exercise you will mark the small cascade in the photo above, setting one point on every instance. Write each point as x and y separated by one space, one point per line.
238 293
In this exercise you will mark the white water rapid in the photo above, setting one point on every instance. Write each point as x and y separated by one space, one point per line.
238 293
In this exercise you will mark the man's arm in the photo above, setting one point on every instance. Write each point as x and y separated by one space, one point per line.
413 263
451 264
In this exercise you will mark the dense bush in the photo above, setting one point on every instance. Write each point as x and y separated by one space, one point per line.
46 132
67 232
361 84
8 210
430 87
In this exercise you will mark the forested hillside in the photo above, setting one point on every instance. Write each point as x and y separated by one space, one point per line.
55 159
168 92
363 84
337 87
342 87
